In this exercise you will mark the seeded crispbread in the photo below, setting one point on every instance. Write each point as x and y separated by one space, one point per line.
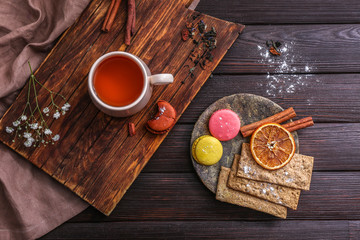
225 194
296 174
288 197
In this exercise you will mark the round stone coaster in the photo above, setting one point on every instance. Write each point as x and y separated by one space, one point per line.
250 108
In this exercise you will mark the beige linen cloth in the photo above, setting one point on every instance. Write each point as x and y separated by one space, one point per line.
31 202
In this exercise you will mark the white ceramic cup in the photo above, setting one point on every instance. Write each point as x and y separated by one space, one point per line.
141 101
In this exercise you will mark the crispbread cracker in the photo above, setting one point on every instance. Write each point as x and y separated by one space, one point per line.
229 195
288 197
296 174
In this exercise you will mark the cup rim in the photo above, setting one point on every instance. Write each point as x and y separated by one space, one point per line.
91 80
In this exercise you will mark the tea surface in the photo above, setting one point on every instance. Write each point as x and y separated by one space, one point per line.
118 81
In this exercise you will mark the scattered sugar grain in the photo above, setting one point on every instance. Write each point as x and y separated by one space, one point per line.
289 180
284 81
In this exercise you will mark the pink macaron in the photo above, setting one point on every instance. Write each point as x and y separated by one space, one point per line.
224 124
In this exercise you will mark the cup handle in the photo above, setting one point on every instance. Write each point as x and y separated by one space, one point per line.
161 79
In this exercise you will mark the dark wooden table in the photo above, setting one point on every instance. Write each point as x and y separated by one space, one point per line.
169 201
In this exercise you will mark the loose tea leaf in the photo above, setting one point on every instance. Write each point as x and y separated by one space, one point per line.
274 47
201 26
185 34
204 43
274 52
277 44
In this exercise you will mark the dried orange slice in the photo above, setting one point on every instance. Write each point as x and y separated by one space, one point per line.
272 146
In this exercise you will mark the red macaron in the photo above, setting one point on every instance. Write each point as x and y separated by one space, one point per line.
164 119
224 124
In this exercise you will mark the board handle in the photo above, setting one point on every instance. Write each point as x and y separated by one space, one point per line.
193 4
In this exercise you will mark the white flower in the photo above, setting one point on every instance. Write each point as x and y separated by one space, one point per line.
47 131
66 107
29 142
9 129
23 118
56 115
27 135
16 123
56 137
34 126
46 110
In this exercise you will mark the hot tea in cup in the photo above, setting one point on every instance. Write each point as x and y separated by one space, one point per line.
120 83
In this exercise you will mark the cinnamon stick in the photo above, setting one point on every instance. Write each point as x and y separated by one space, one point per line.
132 129
110 16
131 20
280 117
299 124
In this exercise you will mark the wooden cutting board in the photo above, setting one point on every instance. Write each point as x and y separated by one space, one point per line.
95 157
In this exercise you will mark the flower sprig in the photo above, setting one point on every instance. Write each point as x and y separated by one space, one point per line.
31 125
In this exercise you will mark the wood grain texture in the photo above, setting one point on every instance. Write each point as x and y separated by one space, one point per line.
325 97
283 11
205 229
182 196
320 141
93 157
168 201
326 48
354 230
